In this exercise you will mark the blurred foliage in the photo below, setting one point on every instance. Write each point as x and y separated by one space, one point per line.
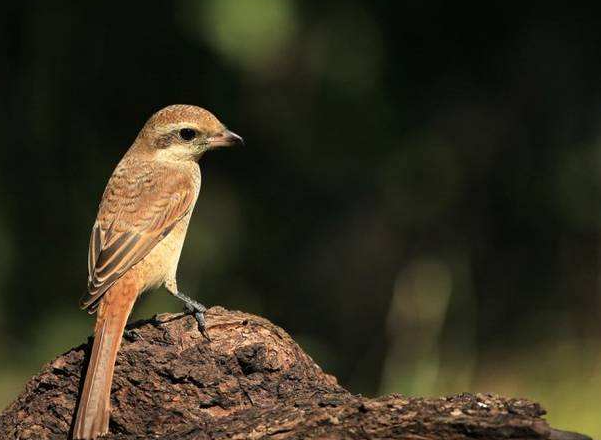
418 203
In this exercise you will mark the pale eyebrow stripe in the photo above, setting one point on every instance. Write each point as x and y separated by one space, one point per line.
175 126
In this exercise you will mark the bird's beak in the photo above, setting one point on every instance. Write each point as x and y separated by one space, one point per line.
225 139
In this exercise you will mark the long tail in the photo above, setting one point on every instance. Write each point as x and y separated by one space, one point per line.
92 417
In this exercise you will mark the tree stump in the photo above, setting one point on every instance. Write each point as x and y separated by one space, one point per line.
251 381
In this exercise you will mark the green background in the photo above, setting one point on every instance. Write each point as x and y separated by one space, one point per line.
418 202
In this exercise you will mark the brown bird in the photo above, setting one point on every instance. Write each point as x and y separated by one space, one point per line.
138 237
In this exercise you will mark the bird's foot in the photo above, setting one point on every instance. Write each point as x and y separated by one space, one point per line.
199 315
132 335
198 310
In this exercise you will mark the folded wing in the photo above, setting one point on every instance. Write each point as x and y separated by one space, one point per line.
140 206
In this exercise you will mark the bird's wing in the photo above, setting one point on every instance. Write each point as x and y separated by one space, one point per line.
140 206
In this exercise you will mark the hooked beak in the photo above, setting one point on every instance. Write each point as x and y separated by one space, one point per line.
225 139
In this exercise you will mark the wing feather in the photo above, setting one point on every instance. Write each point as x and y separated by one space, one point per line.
140 206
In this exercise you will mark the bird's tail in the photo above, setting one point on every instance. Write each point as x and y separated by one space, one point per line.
93 413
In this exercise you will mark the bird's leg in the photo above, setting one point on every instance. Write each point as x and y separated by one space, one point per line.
193 307
197 309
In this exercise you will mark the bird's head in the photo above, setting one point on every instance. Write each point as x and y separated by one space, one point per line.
184 132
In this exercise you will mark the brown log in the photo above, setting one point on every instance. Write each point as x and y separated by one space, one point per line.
251 381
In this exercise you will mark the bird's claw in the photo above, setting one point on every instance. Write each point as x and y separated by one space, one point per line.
198 310
132 335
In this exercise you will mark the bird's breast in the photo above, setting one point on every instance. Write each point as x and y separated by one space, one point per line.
161 262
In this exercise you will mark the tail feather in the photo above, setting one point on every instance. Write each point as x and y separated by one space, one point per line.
93 413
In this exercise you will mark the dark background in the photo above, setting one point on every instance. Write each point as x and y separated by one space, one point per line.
418 202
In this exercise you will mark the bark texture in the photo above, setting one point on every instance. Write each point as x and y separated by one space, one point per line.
251 381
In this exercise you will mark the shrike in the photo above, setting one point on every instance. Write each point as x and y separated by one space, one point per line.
138 236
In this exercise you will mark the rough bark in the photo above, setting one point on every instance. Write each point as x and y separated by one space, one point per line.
250 381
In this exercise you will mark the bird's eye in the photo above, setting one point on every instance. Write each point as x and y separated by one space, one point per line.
187 134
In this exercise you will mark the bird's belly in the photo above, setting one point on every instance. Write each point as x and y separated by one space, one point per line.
161 262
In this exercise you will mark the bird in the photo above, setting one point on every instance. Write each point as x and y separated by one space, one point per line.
137 238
